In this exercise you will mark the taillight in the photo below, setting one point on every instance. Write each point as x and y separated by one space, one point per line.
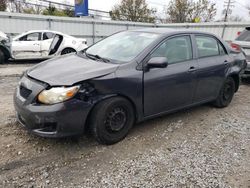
238 33
236 47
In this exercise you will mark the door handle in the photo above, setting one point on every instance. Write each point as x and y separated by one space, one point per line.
36 44
192 69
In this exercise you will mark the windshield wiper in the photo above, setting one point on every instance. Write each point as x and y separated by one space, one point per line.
97 57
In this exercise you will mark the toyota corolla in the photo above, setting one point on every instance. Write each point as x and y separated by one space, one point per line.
124 79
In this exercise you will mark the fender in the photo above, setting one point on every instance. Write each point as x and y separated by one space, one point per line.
101 98
234 72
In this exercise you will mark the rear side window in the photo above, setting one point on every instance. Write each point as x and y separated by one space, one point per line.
48 35
207 46
176 49
244 36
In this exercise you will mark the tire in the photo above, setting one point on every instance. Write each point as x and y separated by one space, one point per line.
226 93
2 57
67 51
111 120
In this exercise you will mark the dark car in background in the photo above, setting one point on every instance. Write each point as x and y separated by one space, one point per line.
126 78
243 42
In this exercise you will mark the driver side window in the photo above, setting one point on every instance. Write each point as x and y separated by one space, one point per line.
31 37
176 49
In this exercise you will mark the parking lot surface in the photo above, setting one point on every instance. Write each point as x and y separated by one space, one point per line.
199 147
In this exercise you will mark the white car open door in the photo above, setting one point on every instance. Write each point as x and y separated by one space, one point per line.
27 46
55 45
47 39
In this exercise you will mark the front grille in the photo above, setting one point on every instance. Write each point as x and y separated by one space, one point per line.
24 92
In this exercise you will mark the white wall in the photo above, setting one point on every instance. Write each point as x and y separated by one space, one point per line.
94 30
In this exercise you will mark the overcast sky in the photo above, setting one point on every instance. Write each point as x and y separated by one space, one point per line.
106 5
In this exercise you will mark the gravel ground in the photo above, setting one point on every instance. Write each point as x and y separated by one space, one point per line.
199 147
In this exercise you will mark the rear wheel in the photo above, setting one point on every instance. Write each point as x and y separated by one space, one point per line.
226 93
111 120
2 57
67 51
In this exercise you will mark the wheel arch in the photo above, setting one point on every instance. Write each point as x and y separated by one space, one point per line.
108 97
68 47
236 79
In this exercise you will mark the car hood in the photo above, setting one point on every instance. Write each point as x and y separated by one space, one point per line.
70 69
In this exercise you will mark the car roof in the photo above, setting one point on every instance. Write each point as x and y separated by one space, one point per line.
170 31
31 31
34 31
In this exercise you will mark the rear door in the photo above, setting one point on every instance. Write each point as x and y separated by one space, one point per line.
170 88
213 61
27 46
47 38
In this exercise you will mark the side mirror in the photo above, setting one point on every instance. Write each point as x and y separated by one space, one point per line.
158 62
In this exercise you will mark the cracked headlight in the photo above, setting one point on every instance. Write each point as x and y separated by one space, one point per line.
57 94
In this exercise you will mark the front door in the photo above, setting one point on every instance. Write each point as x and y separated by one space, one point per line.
27 46
170 88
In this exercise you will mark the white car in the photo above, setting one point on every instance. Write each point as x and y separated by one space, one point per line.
41 44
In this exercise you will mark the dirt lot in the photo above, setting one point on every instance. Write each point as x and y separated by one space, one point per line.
199 147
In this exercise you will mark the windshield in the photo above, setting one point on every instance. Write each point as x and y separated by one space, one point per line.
122 47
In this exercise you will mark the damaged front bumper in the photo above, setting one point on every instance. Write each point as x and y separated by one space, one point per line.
57 120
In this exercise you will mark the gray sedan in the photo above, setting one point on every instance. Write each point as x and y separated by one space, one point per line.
124 79
243 41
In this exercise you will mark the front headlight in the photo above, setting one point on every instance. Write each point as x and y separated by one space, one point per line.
57 94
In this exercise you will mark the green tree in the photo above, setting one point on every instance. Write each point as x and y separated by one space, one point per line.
180 11
69 12
3 5
29 10
133 10
53 11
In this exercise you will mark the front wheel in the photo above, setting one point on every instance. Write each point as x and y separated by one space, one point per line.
226 93
111 120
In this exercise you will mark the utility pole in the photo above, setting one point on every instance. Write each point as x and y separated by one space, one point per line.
228 11
228 4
